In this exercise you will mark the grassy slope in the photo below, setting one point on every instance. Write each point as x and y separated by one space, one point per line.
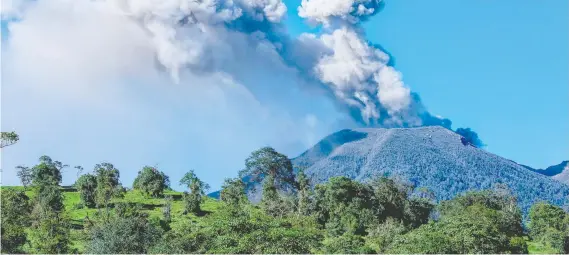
152 206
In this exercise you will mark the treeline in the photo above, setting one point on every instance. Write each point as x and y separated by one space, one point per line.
294 216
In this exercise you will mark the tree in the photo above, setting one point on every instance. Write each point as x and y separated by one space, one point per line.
477 222
167 209
197 189
50 229
151 181
25 175
8 138
47 172
344 205
304 199
268 162
549 224
233 193
16 209
108 184
272 202
87 187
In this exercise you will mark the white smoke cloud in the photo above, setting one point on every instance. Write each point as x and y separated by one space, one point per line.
122 71
327 12
80 83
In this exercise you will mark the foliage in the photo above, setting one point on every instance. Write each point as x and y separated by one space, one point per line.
549 225
273 203
477 222
305 202
268 162
8 138
50 227
87 187
108 184
197 189
16 209
25 175
47 172
121 235
151 181
233 193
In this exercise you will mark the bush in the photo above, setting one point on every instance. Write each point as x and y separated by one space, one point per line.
123 235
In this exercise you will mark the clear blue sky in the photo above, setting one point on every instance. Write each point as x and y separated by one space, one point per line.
499 67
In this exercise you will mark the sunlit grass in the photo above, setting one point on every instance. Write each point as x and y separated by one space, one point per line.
151 206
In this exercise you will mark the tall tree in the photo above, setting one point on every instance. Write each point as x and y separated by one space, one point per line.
25 175
50 227
197 187
108 186
303 193
268 162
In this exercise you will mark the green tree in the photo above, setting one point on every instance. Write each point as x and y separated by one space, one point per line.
197 187
87 187
477 222
381 235
272 202
151 181
548 224
50 228
344 205
47 172
233 193
108 184
268 162
304 194
8 138
16 209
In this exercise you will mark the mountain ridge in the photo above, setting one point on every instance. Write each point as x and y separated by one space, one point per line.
432 157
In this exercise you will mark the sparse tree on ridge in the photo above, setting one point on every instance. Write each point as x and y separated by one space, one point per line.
197 187
151 181
8 138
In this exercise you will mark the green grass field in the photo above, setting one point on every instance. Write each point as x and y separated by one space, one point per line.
151 206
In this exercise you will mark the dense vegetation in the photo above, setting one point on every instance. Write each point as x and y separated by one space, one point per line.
383 215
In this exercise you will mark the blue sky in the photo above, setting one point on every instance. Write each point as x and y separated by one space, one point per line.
498 67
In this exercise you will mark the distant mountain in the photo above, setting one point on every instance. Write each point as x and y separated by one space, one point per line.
432 157
553 170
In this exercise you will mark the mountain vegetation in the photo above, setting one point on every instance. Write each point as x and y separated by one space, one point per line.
341 215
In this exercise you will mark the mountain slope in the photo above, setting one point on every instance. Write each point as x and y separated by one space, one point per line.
432 157
553 170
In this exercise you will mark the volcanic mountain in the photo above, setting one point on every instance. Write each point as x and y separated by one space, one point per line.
432 157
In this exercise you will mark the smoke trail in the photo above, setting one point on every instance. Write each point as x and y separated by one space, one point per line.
215 36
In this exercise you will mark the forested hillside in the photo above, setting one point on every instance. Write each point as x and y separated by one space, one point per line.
382 215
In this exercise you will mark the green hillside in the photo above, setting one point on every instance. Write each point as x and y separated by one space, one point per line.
151 206
384 215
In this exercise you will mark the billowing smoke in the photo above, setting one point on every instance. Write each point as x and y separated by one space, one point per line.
470 136
242 39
